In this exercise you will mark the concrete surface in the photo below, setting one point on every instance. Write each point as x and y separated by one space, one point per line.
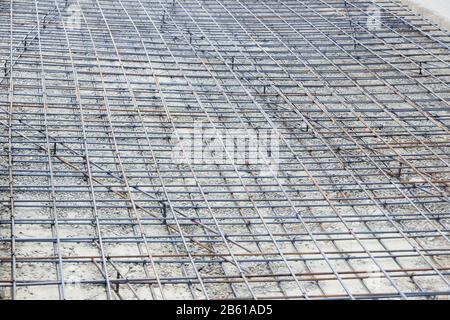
436 11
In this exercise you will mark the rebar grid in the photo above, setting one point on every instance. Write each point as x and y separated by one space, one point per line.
94 205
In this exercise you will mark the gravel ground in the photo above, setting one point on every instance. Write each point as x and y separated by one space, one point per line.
228 202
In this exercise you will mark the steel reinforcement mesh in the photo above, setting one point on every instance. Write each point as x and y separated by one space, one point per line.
95 96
